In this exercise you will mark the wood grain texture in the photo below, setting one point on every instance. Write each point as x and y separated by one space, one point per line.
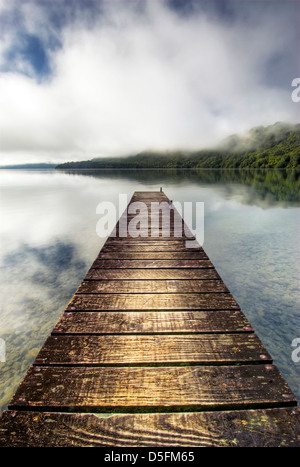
163 389
115 240
146 236
147 246
220 349
151 302
159 322
239 428
151 274
146 255
151 263
154 286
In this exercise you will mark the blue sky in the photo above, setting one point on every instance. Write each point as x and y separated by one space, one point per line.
81 79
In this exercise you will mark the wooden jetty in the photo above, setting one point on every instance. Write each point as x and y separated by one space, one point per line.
152 350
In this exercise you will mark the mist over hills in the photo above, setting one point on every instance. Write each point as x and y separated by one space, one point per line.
258 137
274 146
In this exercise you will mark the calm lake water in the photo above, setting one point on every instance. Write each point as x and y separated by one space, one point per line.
48 241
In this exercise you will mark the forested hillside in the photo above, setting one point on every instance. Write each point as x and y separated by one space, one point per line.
276 146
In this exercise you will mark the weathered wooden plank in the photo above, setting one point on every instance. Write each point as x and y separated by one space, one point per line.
150 247
151 210
144 234
169 229
140 302
152 274
113 240
132 226
238 428
137 220
163 242
148 204
146 255
153 222
160 322
155 228
213 349
151 213
184 242
151 263
154 286
164 389
148 195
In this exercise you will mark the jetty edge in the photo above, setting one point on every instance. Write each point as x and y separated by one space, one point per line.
152 351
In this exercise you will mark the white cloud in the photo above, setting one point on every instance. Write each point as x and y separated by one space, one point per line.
125 83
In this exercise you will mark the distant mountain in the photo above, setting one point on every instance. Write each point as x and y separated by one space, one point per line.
28 166
274 146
